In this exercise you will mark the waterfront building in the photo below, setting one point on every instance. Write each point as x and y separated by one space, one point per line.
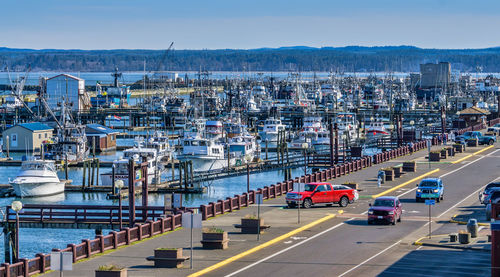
65 87
27 137
105 138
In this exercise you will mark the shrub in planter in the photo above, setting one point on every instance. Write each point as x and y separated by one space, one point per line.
250 224
110 271
435 156
464 237
410 166
214 238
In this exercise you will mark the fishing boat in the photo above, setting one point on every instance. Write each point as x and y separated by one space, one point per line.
376 130
140 154
244 148
37 178
205 153
269 133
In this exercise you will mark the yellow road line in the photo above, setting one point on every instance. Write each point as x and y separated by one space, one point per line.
417 242
261 246
405 183
475 153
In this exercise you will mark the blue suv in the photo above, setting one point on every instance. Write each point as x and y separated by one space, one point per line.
430 188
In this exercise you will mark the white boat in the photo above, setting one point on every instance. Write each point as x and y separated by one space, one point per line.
270 131
139 154
347 125
206 154
244 148
376 130
37 178
308 134
160 141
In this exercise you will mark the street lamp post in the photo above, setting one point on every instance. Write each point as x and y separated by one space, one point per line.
17 206
119 185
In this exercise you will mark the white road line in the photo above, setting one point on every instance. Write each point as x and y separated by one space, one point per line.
453 171
286 249
371 258
474 193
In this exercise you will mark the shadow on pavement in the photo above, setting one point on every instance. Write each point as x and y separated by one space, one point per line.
434 262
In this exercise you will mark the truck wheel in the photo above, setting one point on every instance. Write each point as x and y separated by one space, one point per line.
343 201
438 199
393 221
399 218
442 197
307 203
490 142
291 205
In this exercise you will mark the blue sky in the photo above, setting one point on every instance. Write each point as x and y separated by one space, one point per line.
218 24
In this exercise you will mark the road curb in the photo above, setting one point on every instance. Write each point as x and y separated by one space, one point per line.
475 153
452 220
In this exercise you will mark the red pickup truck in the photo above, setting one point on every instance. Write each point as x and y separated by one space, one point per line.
322 193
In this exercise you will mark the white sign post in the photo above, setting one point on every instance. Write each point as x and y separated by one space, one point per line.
258 199
430 202
191 221
61 261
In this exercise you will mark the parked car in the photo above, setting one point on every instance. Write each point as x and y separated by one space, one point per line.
430 188
484 195
482 139
385 209
322 193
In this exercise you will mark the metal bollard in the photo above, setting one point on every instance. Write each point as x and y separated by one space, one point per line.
472 227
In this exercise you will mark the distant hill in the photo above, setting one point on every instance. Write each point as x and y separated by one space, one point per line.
290 58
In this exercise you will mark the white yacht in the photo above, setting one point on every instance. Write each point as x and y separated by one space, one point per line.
160 141
270 131
206 154
37 178
138 153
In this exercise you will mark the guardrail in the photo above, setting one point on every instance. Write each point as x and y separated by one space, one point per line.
40 213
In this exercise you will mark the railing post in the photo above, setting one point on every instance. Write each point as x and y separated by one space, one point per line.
26 269
115 239
101 242
88 250
7 269
42 262
127 235
73 250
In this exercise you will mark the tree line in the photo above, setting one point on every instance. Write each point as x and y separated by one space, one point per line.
340 59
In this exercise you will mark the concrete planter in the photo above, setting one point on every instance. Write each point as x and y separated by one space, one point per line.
168 258
351 185
215 240
108 273
389 174
472 142
459 148
444 154
410 166
464 238
435 156
451 151
251 225
397 171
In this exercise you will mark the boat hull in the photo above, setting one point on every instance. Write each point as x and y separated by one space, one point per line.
37 189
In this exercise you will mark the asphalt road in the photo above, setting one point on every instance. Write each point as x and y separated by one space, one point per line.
347 246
